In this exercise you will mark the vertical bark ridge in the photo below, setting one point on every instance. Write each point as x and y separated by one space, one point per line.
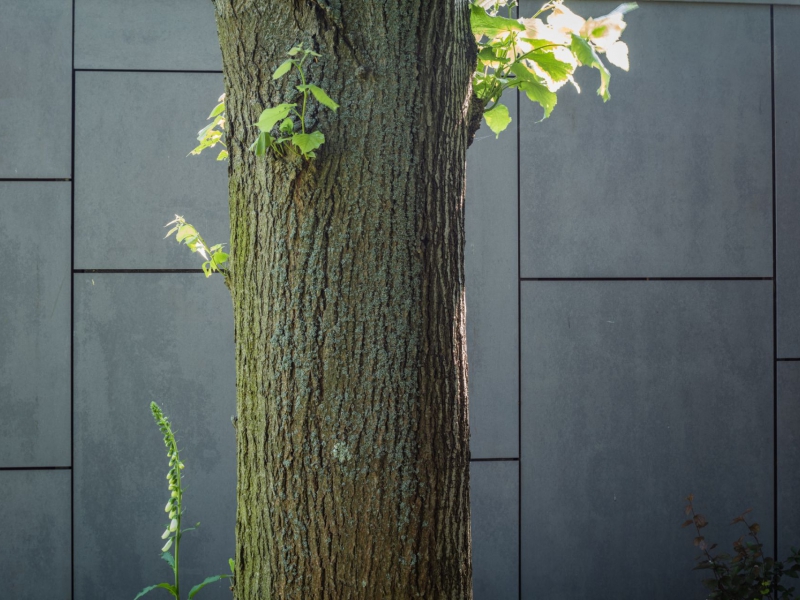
347 282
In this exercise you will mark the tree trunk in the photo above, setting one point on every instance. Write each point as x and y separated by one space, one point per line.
348 290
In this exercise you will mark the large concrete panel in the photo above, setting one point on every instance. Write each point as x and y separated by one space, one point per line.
635 394
132 134
36 88
673 176
35 324
36 548
491 280
788 457
140 338
494 498
146 34
787 178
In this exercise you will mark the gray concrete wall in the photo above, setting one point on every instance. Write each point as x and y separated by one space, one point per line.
632 275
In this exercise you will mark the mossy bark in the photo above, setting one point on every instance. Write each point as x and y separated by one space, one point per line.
348 290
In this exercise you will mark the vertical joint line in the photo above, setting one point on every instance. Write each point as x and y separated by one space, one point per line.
72 324
774 296
519 357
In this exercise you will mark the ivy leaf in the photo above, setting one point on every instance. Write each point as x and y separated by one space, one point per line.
283 69
166 586
484 24
207 580
584 52
497 118
272 115
557 70
220 257
308 142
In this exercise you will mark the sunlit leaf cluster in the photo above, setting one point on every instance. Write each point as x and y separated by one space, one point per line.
214 133
187 234
283 127
539 54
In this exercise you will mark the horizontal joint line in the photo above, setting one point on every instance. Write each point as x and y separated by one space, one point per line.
645 278
146 71
77 271
35 468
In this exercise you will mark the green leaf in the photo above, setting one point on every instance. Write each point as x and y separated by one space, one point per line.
534 88
207 271
308 142
320 94
497 118
272 115
263 141
231 564
584 52
296 50
207 580
169 558
487 55
223 154
218 109
184 232
283 69
287 125
538 92
220 257
557 69
166 586
484 24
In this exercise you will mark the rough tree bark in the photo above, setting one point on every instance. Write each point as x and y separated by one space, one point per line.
348 289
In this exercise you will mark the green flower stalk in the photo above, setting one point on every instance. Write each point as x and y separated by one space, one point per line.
174 509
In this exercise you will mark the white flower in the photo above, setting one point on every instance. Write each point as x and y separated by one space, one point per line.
173 525
172 514
165 535
168 507
167 546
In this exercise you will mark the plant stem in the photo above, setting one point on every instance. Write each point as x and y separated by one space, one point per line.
179 510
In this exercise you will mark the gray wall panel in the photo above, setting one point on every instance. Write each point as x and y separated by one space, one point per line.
787 178
36 88
494 489
139 338
491 280
788 457
35 525
635 394
673 176
146 34
35 324
132 134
